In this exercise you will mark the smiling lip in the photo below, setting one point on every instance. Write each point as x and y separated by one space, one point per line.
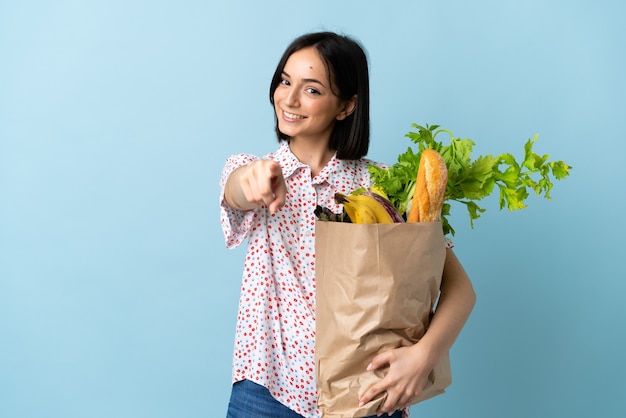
291 116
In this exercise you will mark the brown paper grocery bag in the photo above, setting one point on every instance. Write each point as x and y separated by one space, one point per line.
377 285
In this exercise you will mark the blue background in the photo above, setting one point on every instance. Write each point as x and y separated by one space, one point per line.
117 295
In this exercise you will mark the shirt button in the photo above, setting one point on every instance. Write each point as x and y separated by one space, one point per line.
307 233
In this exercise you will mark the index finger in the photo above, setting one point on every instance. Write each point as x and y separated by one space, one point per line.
279 188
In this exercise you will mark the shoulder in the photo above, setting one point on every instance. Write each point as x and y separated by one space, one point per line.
240 159
374 163
362 164
353 174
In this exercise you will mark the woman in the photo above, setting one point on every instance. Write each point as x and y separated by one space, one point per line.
320 94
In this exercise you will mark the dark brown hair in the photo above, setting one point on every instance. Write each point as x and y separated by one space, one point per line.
346 63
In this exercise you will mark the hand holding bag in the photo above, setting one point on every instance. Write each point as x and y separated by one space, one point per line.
377 286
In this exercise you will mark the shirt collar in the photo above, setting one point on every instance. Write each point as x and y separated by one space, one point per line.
287 160
290 163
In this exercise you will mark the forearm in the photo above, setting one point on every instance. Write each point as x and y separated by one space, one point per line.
455 304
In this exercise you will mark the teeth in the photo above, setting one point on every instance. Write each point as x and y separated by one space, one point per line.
292 115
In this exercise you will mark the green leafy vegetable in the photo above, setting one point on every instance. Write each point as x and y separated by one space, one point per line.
469 180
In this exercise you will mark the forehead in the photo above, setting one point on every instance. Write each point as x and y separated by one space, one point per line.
306 63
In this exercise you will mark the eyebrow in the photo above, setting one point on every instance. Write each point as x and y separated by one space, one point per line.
307 80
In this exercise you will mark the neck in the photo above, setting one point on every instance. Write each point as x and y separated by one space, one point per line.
316 156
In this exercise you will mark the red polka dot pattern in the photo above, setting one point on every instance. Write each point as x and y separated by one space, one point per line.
275 335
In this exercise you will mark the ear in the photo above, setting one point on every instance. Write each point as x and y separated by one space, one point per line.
348 107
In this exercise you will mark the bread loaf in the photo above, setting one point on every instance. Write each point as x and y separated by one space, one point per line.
430 188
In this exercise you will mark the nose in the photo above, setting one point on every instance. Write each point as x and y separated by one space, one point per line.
293 97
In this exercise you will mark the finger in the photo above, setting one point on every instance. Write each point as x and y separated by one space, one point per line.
377 362
257 191
263 175
279 191
373 392
275 205
248 187
279 187
380 360
392 404
397 399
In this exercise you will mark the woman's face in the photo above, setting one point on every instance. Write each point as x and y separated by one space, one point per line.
305 105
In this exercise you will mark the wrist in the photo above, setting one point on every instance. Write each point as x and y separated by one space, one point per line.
428 350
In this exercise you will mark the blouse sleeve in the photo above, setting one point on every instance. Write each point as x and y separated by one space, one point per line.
235 223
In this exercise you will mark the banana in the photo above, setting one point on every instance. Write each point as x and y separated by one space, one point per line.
381 198
364 209
362 214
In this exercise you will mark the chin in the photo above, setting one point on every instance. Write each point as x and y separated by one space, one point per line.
287 132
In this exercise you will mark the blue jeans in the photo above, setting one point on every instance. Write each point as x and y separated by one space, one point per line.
250 400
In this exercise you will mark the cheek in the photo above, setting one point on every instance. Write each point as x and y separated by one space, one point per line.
279 94
327 110
277 100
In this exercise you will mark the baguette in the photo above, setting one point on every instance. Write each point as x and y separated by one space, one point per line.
430 188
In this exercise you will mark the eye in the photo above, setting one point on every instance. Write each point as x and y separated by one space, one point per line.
311 90
284 82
